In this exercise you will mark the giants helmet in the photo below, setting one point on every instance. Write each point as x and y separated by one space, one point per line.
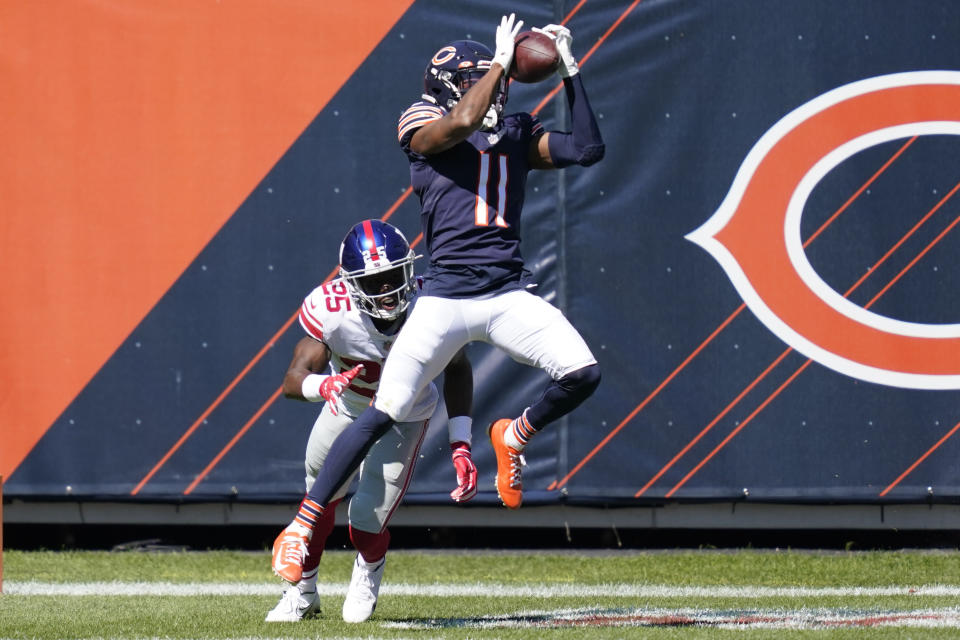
457 67
376 263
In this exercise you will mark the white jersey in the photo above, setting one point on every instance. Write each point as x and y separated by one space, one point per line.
328 314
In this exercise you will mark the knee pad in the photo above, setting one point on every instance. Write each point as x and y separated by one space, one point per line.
564 395
363 512
582 382
395 401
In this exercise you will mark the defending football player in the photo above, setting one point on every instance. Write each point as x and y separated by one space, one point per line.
468 165
352 323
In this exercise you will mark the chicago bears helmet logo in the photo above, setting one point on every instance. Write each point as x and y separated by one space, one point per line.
755 234
445 54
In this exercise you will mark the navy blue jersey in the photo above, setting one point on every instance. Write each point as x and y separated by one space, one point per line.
471 196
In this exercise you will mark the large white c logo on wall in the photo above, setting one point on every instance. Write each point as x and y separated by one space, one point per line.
755 234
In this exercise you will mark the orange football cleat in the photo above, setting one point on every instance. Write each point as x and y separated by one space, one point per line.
509 462
289 551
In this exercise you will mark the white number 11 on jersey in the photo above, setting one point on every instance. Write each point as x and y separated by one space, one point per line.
483 191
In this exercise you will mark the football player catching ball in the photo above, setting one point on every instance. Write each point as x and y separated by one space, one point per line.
468 165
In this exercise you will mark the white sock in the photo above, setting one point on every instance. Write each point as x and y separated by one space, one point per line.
519 432
510 437
308 583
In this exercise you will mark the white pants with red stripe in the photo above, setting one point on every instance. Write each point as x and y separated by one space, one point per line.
384 474
527 328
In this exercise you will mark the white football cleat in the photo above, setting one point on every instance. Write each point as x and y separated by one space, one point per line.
362 595
294 606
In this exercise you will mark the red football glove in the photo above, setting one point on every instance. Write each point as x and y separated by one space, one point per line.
466 472
333 386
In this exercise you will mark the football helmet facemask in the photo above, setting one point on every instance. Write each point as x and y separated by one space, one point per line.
457 67
376 263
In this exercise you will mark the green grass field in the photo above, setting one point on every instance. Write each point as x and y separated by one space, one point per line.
490 594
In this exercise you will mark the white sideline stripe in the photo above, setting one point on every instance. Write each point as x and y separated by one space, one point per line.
117 588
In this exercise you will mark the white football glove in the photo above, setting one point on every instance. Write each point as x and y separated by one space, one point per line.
506 33
564 40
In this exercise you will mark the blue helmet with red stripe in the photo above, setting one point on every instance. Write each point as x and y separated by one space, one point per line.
376 263
457 67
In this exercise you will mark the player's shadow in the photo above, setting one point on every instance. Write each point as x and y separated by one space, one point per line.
723 618
616 617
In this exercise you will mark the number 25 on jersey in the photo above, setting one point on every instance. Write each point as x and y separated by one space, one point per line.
336 295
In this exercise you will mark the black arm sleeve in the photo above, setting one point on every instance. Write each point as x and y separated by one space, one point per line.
584 145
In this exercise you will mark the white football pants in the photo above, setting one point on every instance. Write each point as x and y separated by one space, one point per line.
384 474
529 329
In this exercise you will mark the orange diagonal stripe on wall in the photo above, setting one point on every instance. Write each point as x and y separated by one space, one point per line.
131 132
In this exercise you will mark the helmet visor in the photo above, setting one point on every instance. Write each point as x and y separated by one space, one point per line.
384 294
383 282
466 78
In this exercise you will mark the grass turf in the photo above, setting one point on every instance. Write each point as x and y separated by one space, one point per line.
214 615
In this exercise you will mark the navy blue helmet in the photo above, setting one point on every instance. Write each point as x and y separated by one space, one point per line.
457 67
376 263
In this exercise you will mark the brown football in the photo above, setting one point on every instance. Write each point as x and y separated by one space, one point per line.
535 58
